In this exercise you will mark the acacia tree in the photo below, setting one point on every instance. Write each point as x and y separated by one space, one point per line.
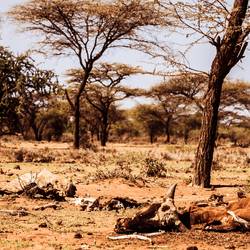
227 30
104 90
147 118
235 104
86 29
178 96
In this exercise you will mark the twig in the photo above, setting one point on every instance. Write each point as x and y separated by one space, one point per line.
133 236
47 220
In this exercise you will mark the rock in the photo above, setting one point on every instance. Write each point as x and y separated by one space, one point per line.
77 236
43 225
192 248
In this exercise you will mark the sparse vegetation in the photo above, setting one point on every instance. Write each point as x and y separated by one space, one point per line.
147 169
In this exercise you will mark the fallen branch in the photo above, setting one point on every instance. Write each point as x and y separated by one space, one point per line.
241 221
51 205
133 236
15 212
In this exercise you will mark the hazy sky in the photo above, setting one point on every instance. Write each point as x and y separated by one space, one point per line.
200 57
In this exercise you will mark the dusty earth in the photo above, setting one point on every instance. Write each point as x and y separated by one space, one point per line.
69 228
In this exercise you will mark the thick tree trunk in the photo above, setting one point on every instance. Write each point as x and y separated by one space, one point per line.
204 155
229 51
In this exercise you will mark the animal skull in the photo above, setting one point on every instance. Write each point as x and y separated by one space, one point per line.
157 216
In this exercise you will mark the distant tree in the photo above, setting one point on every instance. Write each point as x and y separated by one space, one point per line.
235 96
24 91
234 107
146 118
124 125
54 121
190 122
177 97
104 89
86 29
38 96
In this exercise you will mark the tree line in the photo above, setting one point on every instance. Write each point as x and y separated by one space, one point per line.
34 103
89 29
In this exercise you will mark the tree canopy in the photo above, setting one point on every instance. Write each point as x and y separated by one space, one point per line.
24 90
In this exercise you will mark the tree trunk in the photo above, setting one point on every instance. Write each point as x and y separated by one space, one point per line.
229 51
168 133
186 135
204 155
76 122
104 135
151 138
103 138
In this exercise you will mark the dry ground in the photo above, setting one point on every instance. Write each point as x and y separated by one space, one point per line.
69 228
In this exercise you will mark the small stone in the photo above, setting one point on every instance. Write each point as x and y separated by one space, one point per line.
17 167
59 222
43 225
230 247
192 248
77 236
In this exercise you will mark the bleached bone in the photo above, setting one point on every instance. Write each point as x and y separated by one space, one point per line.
132 236
241 221
15 212
51 205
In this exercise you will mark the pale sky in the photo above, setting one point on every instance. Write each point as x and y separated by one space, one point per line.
201 57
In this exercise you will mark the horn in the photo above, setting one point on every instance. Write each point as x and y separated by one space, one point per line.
171 191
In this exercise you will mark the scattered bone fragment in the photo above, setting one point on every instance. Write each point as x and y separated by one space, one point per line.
51 205
130 236
155 233
104 203
15 212
245 224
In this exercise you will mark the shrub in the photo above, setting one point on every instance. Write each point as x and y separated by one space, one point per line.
155 167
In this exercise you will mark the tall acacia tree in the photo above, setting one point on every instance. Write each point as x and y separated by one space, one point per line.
86 29
228 31
104 90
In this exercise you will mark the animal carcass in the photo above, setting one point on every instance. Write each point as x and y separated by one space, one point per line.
164 216
43 182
